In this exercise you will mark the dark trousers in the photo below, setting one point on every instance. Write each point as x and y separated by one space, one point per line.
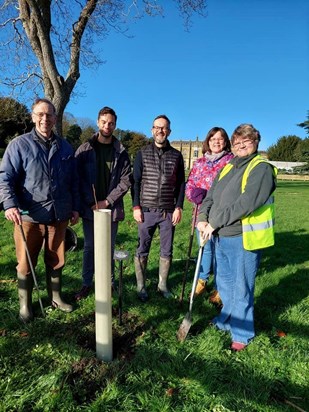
88 255
146 230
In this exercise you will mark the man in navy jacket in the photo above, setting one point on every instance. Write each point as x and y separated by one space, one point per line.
39 191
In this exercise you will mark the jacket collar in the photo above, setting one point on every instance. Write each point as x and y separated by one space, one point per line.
117 145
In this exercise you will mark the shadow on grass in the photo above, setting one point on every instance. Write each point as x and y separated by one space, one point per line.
274 301
231 376
290 248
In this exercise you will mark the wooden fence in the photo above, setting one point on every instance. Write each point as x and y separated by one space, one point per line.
293 177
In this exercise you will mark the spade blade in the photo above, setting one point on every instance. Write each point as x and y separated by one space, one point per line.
184 327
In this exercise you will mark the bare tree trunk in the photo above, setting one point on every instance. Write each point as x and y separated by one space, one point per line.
40 19
36 20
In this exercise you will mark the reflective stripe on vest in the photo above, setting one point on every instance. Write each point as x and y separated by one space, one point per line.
258 227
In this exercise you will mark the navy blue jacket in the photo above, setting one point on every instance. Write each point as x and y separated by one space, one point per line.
38 180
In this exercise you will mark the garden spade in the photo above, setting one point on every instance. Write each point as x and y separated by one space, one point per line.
184 280
187 322
31 267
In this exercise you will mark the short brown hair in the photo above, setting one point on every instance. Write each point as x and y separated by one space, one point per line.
213 131
163 116
107 110
246 131
43 100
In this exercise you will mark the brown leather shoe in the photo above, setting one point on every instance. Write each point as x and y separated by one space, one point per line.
200 287
215 299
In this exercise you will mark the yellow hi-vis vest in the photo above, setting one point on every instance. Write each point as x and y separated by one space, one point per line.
258 227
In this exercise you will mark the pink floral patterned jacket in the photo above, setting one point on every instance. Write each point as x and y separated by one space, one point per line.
203 173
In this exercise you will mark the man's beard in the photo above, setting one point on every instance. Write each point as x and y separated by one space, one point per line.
160 139
105 135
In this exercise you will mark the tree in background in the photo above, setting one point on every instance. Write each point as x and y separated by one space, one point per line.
46 42
302 151
15 119
302 155
68 120
284 149
73 135
87 133
86 125
305 124
132 141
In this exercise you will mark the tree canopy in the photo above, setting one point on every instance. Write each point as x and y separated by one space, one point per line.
73 135
305 124
15 119
132 141
284 149
48 41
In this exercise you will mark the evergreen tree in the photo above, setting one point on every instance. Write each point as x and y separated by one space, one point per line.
284 149
15 119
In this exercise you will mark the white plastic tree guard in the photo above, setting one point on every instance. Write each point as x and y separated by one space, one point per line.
103 284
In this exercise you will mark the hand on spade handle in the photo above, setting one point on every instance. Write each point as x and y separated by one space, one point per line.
206 231
13 214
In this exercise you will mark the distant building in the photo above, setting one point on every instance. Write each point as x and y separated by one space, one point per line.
190 149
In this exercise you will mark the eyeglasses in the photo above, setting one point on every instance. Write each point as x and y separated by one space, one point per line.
216 139
246 142
158 128
41 115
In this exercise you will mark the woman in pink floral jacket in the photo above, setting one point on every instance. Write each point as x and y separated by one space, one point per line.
216 154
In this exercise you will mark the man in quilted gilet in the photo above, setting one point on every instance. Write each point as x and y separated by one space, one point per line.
158 196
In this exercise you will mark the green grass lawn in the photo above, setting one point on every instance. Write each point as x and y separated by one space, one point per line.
50 364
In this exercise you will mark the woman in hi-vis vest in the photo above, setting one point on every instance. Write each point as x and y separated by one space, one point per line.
238 213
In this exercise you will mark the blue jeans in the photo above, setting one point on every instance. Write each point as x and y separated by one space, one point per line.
208 262
88 254
237 269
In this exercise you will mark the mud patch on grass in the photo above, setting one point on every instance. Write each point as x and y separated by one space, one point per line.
90 375
124 335
86 377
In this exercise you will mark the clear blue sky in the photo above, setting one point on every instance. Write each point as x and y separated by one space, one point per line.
246 62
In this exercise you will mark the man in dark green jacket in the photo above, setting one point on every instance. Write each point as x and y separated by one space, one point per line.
105 177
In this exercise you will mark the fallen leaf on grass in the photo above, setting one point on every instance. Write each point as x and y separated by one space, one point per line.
281 334
2 332
23 334
170 392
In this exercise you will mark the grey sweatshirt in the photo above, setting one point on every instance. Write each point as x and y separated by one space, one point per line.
225 205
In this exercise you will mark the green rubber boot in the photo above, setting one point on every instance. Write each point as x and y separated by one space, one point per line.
164 268
25 288
53 282
140 263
